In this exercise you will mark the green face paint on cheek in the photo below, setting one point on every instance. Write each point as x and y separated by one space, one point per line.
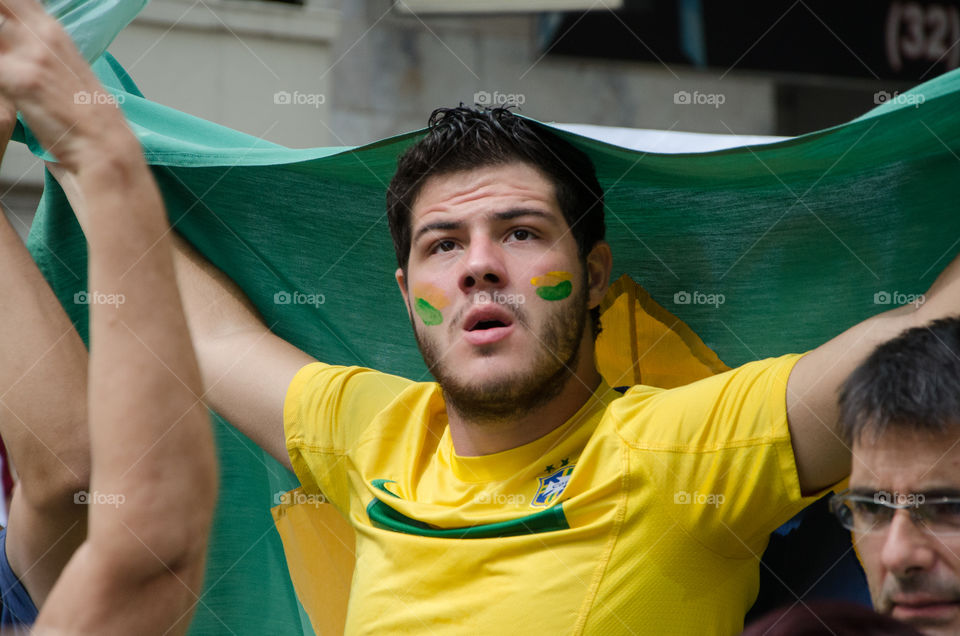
429 314
556 292
553 285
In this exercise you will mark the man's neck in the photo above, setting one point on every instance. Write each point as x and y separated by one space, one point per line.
472 438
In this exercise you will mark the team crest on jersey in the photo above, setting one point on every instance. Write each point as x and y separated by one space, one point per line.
552 486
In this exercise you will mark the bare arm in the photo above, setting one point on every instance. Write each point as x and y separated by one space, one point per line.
822 457
43 418
153 476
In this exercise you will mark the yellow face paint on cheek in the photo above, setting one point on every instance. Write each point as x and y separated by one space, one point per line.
428 301
553 285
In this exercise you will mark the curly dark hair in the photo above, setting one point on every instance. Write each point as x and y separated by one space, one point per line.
465 138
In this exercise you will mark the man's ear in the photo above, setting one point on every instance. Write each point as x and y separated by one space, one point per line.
599 266
402 283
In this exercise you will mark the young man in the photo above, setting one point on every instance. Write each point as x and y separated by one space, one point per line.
520 492
134 562
900 410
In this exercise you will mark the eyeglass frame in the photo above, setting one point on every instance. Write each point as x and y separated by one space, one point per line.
920 500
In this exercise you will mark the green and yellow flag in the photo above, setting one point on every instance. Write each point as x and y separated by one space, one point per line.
739 254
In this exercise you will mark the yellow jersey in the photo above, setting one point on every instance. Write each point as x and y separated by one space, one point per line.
646 513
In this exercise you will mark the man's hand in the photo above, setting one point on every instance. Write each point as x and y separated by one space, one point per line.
54 88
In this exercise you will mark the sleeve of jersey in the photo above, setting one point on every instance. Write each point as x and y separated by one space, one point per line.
325 411
718 453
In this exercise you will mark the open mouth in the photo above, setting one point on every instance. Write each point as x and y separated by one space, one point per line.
487 324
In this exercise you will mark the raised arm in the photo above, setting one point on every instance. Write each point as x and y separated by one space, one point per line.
822 457
246 369
43 413
153 475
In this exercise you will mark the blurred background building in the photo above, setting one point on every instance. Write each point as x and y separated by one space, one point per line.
346 72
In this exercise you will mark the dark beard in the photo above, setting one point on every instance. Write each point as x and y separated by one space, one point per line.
517 395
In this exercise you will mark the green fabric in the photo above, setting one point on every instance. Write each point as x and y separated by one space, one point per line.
94 25
798 237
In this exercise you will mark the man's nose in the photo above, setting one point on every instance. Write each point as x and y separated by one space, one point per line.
483 266
907 546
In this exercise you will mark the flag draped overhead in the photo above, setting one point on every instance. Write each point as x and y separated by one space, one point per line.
760 250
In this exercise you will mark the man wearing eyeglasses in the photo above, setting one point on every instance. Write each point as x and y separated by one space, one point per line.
900 410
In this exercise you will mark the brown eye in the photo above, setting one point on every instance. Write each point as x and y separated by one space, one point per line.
522 235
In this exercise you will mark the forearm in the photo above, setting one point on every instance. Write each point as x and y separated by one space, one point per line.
42 381
146 416
154 478
822 457
43 375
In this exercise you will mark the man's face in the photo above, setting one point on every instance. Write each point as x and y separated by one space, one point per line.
497 293
913 575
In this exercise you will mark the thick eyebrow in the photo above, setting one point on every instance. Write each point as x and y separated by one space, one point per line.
506 215
516 213
443 226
